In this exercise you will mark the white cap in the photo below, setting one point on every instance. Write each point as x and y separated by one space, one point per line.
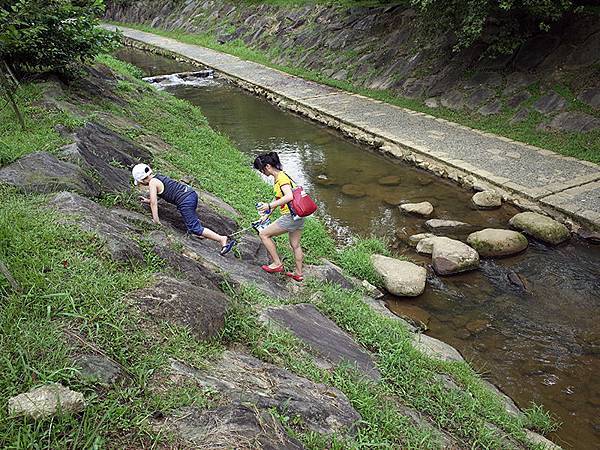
140 171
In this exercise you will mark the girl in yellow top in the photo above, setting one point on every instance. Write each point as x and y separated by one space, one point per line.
268 164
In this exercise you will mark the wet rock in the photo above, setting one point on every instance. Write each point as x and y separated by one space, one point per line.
450 256
550 102
414 240
92 217
413 314
574 121
487 199
42 172
436 349
540 227
424 209
236 425
517 99
478 97
242 378
353 190
520 116
329 273
107 154
98 368
519 281
491 108
201 310
323 180
590 97
323 336
46 401
438 225
393 199
400 278
496 242
391 180
588 235
541 441
477 326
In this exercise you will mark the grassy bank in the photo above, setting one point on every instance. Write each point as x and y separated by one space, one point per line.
72 300
585 146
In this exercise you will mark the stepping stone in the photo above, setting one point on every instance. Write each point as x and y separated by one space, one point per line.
442 225
449 256
353 190
487 200
540 227
424 209
495 242
323 336
401 278
391 180
416 238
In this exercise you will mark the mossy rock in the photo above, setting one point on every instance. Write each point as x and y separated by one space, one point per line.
494 242
540 227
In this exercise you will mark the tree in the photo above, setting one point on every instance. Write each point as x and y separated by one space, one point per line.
507 23
48 35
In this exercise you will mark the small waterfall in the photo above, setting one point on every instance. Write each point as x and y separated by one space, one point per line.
200 78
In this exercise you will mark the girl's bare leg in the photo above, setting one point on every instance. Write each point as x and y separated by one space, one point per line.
266 236
298 254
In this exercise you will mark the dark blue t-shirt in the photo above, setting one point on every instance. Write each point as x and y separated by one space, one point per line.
174 192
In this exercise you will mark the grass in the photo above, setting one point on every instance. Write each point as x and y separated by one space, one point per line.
71 288
584 146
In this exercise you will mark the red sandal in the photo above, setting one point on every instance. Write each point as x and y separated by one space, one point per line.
278 269
294 277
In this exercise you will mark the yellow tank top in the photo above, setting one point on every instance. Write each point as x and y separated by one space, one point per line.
281 180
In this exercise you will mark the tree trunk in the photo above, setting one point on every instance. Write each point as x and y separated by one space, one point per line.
5 86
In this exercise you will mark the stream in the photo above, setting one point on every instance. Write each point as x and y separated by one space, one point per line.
538 340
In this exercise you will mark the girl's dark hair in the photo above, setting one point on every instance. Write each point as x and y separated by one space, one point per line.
267 158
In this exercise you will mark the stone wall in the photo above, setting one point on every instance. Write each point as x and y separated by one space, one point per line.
552 78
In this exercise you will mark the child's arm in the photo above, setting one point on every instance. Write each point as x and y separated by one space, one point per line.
288 196
153 188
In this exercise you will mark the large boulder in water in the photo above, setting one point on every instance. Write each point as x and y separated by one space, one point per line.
424 209
495 242
199 309
42 172
401 278
449 256
540 227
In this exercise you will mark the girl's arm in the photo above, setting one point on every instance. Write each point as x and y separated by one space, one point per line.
288 196
153 187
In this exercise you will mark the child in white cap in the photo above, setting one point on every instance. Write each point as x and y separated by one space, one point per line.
180 195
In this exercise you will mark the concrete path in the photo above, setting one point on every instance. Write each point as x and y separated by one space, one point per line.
566 184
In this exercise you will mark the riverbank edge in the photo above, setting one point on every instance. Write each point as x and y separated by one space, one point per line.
461 173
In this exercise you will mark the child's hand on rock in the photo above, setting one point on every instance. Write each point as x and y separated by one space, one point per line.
144 200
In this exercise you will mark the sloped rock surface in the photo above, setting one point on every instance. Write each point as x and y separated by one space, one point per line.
108 154
243 378
92 217
323 336
42 172
201 310
235 425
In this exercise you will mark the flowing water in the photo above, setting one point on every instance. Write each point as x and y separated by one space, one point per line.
538 338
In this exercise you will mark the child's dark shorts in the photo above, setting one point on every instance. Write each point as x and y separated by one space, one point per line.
187 209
